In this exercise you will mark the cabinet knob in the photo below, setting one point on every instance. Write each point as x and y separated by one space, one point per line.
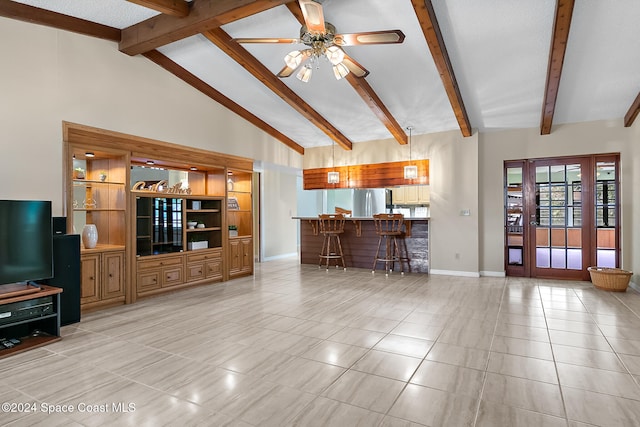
90 277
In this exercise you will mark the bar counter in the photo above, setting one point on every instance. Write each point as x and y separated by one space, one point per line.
360 241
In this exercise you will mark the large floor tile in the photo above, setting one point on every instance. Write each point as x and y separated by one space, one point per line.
587 357
523 367
409 346
601 409
365 390
520 347
495 414
459 356
389 365
598 380
433 407
522 393
450 378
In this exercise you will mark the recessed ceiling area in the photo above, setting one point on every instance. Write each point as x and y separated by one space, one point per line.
485 65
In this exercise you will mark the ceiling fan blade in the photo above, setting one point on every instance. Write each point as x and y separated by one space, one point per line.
371 37
354 67
313 16
266 40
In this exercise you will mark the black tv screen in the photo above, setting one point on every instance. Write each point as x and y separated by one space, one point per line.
26 242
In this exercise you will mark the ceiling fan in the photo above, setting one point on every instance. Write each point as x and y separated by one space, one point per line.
323 42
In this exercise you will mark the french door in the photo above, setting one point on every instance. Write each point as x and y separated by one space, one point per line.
561 216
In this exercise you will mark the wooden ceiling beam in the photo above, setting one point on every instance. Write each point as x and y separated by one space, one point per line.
223 40
633 112
179 8
431 29
203 87
35 15
204 15
366 92
561 26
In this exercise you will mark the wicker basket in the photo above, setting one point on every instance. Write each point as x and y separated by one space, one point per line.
610 279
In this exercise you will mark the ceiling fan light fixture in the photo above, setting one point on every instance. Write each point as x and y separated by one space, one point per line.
334 54
293 59
340 71
304 75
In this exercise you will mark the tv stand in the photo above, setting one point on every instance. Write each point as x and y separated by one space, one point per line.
34 326
16 289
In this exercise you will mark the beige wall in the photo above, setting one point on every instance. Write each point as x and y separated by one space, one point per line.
453 173
48 76
564 140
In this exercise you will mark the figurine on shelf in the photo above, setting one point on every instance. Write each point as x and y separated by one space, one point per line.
78 173
103 176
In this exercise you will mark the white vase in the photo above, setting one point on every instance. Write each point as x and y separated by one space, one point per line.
89 236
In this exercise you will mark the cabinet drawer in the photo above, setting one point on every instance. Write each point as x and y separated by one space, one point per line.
195 272
148 281
159 263
204 256
172 276
214 269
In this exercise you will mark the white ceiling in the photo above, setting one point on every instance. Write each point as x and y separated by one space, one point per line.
499 51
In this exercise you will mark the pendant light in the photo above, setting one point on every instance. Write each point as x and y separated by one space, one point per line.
410 171
333 177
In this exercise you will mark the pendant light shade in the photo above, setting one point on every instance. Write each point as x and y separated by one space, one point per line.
410 172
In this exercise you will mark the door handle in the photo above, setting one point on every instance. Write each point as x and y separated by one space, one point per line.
533 223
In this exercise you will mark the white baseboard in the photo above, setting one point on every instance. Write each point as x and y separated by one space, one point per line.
454 273
634 286
493 274
283 256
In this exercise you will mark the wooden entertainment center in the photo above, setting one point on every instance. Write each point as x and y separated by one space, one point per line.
155 237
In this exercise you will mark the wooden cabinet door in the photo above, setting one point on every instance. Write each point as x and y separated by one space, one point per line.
398 196
424 194
235 255
113 275
411 194
246 263
90 278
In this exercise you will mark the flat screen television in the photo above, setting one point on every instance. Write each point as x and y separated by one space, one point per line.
26 241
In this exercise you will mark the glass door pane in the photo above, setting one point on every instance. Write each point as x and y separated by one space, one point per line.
606 214
514 216
558 241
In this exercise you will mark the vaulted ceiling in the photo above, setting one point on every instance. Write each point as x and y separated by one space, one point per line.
467 65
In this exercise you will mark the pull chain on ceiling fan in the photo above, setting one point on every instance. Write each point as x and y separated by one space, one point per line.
324 43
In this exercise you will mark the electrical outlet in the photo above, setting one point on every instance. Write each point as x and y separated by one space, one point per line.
465 212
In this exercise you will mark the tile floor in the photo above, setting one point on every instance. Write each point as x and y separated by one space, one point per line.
298 346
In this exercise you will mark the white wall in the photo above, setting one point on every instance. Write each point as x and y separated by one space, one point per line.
49 76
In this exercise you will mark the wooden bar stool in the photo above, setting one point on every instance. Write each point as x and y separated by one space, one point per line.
331 227
388 227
